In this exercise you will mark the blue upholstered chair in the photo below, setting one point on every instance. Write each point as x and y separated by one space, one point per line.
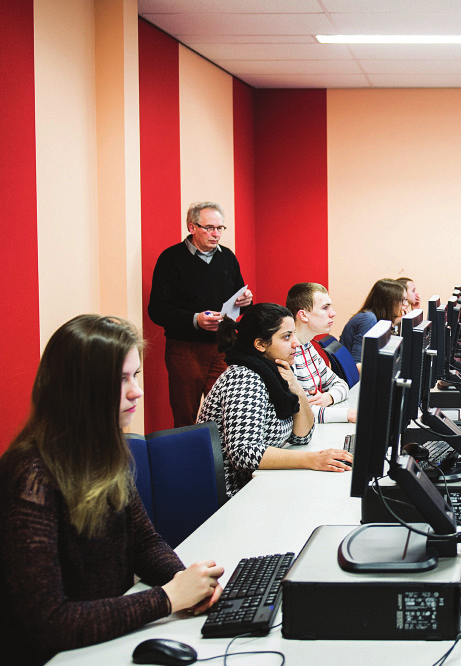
187 476
340 359
138 447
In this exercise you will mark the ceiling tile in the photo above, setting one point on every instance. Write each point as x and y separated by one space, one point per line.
272 42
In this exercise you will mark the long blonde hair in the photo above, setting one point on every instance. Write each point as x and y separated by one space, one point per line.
74 420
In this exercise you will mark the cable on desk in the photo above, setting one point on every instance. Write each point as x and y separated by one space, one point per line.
236 654
445 656
444 438
390 499
407 525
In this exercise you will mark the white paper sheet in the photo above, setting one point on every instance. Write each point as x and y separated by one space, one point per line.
229 308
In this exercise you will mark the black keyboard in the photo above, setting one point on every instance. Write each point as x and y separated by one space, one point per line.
349 443
441 455
250 599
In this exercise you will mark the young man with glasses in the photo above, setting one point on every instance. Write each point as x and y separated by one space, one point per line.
191 281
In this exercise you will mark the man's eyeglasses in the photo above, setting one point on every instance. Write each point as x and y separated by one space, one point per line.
209 228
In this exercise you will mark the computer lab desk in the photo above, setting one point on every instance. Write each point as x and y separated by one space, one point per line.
275 512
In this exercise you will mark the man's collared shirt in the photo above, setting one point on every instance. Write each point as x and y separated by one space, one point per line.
204 256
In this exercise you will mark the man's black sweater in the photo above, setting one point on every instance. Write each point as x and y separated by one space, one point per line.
183 284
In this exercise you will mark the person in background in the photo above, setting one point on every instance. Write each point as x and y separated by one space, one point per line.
190 283
74 530
387 300
413 299
258 404
312 310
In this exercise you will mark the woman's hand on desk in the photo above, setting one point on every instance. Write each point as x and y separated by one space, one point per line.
330 460
208 602
197 586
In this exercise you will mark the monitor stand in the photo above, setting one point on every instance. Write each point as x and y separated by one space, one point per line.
386 548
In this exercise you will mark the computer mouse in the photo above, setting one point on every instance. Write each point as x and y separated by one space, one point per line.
164 651
416 451
346 462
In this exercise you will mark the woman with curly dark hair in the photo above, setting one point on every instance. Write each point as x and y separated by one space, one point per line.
258 404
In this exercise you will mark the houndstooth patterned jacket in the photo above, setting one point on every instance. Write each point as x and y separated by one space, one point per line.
239 404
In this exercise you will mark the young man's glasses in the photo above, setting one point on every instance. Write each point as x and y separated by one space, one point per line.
209 229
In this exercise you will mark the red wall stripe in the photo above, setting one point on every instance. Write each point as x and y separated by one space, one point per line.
19 303
244 182
160 196
290 190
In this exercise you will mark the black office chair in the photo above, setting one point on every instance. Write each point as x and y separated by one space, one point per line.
187 476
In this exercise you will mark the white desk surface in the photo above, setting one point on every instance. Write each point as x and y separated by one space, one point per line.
275 512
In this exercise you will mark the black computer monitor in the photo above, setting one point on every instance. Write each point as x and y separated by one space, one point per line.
442 342
381 410
436 314
453 313
409 322
416 334
381 363
445 333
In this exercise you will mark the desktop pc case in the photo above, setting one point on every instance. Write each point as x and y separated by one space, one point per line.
321 601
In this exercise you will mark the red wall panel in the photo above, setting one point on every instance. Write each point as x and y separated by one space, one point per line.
160 196
19 305
290 190
244 181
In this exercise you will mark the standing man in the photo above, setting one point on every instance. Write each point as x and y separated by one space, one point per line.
191 281
313 314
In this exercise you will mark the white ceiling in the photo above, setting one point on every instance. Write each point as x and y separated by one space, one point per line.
271 43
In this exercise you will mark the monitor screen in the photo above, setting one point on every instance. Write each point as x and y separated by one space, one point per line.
416 335
441 342
381 410
409 322
453 311
381 362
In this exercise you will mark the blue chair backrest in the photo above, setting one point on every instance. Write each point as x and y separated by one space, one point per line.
142 476
341 360
187 478
348 366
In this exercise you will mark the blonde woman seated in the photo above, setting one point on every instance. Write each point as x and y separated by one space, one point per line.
258 404
74 530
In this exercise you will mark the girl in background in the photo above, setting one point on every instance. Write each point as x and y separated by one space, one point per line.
413 299
387 300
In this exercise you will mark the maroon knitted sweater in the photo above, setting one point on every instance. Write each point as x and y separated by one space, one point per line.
59 590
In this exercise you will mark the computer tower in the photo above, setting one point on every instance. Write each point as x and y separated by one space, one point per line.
322 601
